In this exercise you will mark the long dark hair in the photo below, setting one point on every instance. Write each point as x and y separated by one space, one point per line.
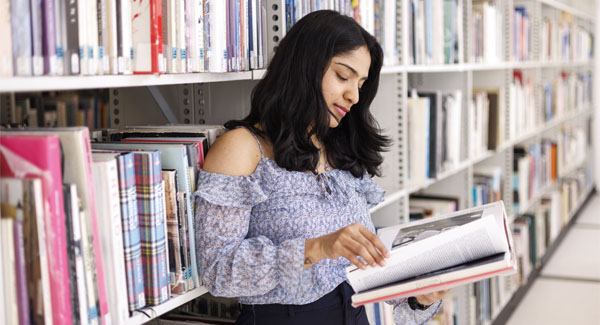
289 106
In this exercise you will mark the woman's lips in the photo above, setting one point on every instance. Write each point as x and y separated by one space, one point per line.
341 110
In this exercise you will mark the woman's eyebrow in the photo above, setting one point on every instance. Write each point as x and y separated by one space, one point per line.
351 69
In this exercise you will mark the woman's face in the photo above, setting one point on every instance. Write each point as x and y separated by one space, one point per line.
342 81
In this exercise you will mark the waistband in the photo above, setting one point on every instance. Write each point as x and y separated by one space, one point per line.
340 296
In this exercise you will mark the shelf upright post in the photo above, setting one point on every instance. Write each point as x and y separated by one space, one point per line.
114 104
201 102
275 18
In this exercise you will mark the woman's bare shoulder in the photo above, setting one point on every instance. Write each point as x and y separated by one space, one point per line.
235 153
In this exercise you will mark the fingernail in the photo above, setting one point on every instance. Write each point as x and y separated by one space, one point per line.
382 263
387 254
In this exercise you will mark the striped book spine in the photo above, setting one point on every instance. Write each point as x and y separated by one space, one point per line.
151 201
134 270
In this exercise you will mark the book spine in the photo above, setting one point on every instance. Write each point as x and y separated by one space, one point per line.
102 28
93 43
60 20
82 36
125 43
70 215
20 272
131 233
7 252
6 52
91 193
77 248
36 38
49 38
72 38
112 47
156 35
181 37
21 37
149 187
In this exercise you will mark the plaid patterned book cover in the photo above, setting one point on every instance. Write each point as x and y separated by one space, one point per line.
134 270
150 202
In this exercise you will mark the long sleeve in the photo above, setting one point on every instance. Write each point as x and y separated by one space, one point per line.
404 315
229 263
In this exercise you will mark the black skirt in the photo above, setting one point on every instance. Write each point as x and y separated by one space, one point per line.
332 309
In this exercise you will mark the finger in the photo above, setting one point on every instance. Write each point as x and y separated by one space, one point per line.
375 254
358 249
353 259
376 241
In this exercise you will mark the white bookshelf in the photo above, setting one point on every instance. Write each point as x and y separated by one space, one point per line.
217 97
149 313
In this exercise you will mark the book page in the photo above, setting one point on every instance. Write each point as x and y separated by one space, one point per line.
423 247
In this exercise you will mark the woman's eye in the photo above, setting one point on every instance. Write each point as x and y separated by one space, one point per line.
341 78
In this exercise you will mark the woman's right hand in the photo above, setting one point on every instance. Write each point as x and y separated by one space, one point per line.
349 242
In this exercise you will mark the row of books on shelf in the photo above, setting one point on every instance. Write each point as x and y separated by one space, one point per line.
566 92
58 109
435 31
97 230
378 17
564 40
122 37
487 36
539 165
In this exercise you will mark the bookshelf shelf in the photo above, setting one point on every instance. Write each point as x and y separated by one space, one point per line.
258 74
389 199
51 83
147 314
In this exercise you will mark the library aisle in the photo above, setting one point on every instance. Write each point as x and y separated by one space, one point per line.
568 288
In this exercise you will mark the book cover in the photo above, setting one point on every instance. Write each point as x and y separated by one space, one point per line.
39 156
106 181
411 270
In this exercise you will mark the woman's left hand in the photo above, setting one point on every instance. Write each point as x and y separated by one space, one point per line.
430 298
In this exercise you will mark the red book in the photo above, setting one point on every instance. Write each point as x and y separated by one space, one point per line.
25 156
147 38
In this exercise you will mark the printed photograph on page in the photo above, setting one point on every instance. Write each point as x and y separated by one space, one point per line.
419 232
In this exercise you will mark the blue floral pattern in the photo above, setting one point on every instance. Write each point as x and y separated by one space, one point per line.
250 232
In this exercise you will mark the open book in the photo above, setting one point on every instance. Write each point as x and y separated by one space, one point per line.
438 253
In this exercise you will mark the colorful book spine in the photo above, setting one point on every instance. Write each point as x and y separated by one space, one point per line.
150 199
39 156
134 270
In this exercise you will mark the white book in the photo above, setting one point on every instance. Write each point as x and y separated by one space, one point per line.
140 37
83 36
391 56
111 48
125 56
111 234
438 253
253 11
418 139
218 36
103 59
61 35
21 31
170 37
181 30
6 51
93 55
11 312
197 35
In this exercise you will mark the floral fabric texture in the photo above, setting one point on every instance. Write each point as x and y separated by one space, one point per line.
250 233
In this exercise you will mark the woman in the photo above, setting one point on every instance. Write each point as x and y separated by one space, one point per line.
284 197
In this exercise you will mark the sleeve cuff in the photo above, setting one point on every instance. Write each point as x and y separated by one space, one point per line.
290 259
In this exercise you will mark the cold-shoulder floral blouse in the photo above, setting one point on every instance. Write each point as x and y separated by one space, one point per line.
250 233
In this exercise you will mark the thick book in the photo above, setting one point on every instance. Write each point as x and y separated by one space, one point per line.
438 253
173 241
22 156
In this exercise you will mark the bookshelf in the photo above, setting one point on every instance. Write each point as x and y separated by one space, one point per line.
213 98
